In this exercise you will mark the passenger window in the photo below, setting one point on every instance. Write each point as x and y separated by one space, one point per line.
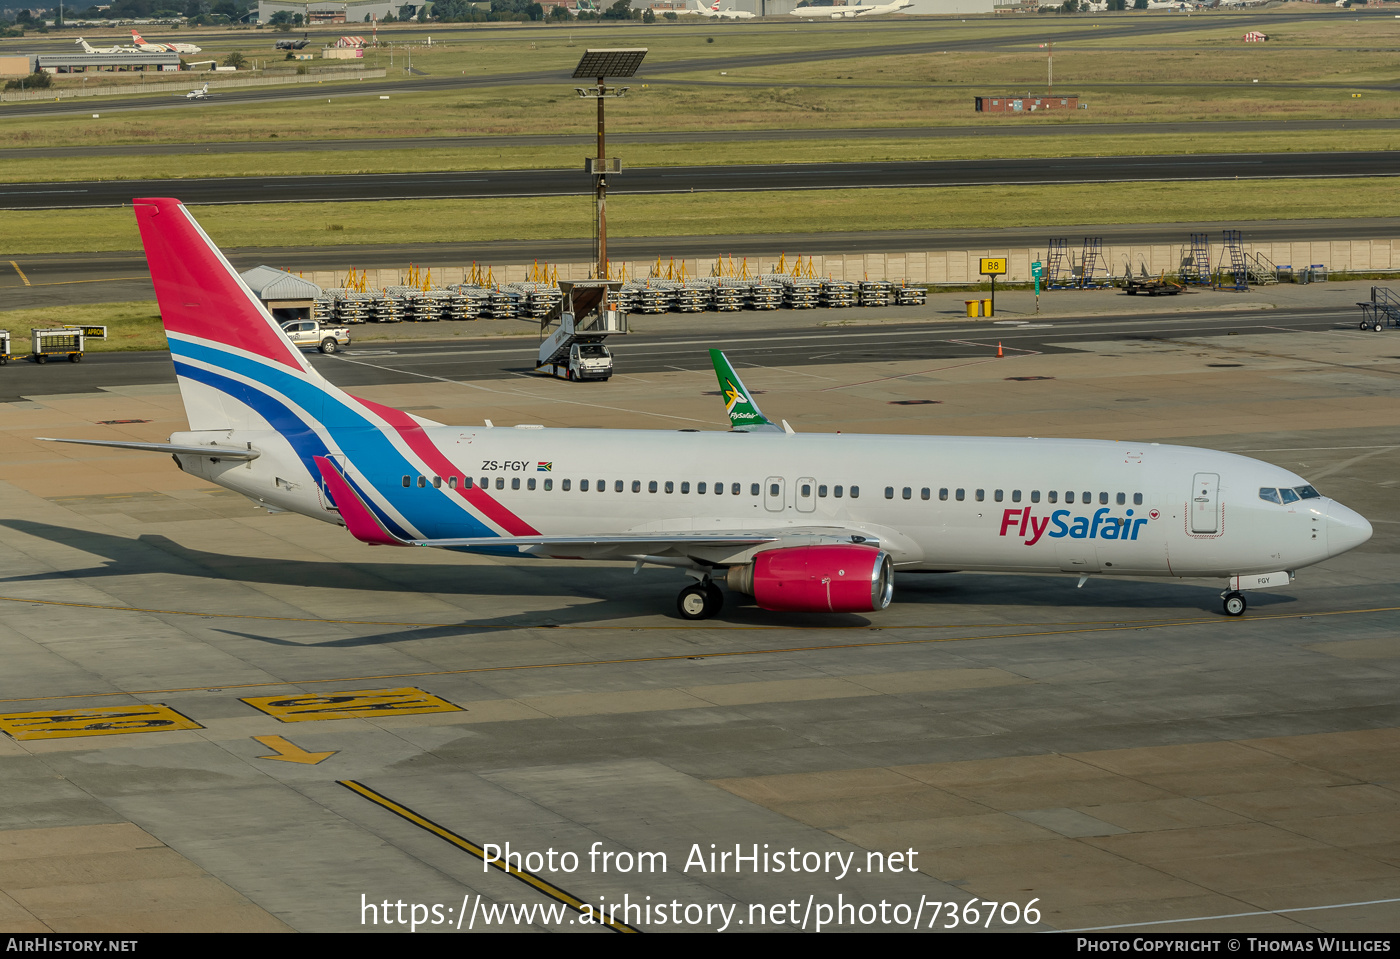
719 489
437 482
603 486
549 485
997 496
486 482
1015 496
1035 496
530 483
836 491
422 482
959 496
515 482
617 486
685 487
451 482
772 489
500 482
466 482
636 486
806 490
1053 496
670 486
567 483
1088 498
855 492
907 492
1137 499
821 492
734 488
1122 499
651 486
980 495
889 492
1103 499
407 481
1069 496
700 488
1269 495
943 493
924 493
1289 496
582 485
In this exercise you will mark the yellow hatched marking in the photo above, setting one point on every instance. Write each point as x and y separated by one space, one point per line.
103 721
354 704
20 272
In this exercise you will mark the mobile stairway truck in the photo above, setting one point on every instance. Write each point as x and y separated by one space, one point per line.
585 321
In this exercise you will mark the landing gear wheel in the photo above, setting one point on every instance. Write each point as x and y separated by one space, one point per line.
694 602
714 599
1234 604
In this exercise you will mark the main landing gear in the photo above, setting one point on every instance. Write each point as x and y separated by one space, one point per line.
699 601
1234 603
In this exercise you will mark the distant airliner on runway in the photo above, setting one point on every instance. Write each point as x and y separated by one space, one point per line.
802 522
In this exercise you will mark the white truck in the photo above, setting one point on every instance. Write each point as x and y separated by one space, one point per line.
327 339
588 361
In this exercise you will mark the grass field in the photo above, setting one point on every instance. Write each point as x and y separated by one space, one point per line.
701 214
130 326
1310 70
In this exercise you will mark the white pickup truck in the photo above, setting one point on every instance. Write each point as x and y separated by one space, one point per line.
327 339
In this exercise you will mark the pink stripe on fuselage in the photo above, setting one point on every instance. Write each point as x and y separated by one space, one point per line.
419 442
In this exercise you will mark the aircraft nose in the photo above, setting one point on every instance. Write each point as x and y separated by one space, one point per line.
1346 528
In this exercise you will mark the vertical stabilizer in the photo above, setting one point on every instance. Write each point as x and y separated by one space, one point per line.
222 339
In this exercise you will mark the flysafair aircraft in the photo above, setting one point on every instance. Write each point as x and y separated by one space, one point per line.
802 522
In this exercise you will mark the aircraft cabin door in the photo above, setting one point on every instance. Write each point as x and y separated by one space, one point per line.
774 494
805 496
1205 503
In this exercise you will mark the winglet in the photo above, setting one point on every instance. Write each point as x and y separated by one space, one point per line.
743 412
359 519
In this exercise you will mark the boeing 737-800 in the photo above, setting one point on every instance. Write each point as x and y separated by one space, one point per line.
802 522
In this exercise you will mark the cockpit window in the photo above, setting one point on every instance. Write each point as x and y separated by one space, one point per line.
1307 492
1289 496
1269 495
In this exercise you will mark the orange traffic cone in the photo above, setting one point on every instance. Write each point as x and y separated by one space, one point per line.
999 353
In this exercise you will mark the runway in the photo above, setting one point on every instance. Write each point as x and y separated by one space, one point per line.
740 178
1116 754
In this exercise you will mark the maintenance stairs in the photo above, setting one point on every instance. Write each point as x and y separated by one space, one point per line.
1383 309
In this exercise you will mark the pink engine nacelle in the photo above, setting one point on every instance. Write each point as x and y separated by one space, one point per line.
840 578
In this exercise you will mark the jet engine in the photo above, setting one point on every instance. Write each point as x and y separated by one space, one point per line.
839 578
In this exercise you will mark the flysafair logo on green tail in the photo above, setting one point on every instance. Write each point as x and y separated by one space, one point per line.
738 405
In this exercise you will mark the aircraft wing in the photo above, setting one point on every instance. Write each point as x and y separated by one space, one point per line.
743 412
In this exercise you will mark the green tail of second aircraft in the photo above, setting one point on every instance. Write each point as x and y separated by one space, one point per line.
744 413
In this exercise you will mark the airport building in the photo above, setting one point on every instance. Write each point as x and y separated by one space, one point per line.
83 62
326 11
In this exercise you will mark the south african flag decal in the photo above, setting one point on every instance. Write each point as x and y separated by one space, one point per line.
544 467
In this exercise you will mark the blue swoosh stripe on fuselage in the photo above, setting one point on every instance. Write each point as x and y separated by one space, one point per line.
427 513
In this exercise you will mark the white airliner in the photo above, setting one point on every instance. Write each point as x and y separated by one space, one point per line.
147 47
714 11
89 48
802 522
848 11
199 93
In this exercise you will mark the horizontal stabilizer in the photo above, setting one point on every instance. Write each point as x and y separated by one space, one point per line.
215 452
